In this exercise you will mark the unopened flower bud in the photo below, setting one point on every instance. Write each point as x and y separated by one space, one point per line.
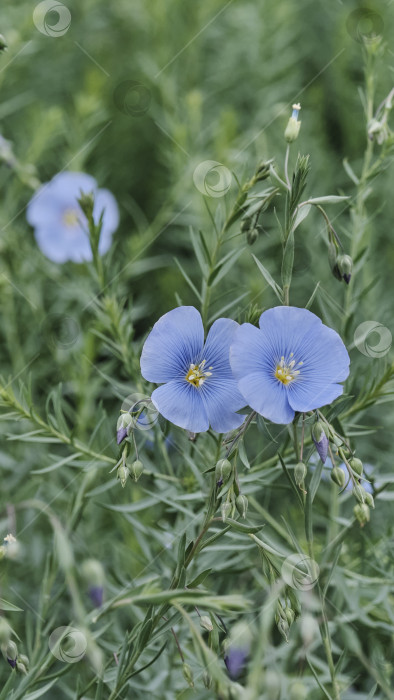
300 473
252 235
3 43
359 493
123 427
361 512
225 510
338 476
86 202
289 612
241 505
93 575
123 473
298 691
263 169
188 676
24 660
136 469
345 267
320 439
369 500
356 465
10 653
21 667
223 470
206 623
293 125
245 224
207 679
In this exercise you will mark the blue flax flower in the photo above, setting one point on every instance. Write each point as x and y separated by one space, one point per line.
198 388
59 225
291 363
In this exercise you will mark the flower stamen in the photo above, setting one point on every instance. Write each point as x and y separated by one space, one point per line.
285 371
197 374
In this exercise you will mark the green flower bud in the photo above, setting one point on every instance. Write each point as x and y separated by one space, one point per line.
92 572
21 667
361 512
24 660
369 500
345 267
86 202
225 510
359 493
289 612
125 420
10 652
3 43
356 465
123 473
206 623
338 476
245 225
252 235
187 673
293 125
337 440
297 691
241 505
207 679
223 470
136 469
300 473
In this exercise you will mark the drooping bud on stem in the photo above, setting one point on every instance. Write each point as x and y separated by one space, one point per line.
241 505
320 439
338 476
136 469
223 471
300 473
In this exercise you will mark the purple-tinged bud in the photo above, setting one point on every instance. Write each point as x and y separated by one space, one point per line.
11 653
123 427
93 574
293 125
320 439
235 661
96 595
345 267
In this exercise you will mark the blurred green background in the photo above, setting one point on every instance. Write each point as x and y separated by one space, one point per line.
139 94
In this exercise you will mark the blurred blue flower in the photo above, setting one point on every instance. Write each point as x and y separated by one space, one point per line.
58 221
235 661
198 388
291 363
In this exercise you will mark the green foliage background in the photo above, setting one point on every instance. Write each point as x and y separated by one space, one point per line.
218 79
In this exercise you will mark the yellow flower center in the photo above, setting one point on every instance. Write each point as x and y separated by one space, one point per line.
70 217
285 370
197 374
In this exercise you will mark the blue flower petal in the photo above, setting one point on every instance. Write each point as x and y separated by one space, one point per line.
267 396
221 399
180 402
285 328
175 341
250 351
